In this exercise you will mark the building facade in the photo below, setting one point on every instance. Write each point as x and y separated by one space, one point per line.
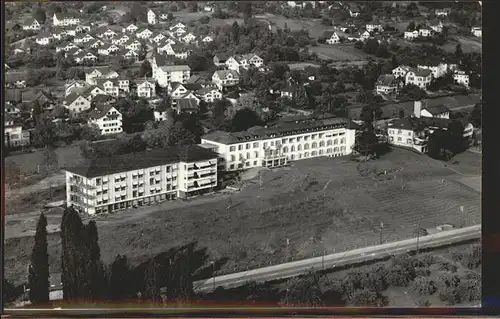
289 141
108 184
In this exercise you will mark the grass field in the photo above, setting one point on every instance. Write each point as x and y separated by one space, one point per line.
330 200
339 52
469 44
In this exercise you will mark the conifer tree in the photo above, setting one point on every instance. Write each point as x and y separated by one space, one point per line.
119 277
151 286
71 258
39 267
94 270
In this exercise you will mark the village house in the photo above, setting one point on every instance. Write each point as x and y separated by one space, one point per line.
31 24
156 37
14 135
102 73
132 44
105 33
163 15
436 26
387 84
186 105
436 111
160 115
411 35
442 12
12 109
364 36
146 88
207 39
70 85
400 71
460 77
437 70
151 17
120 40
220 59
82 28
424 32
131 28
209 94
288 92
83 39
84 57
59 20
76 103
331 37
130 55
144 34
354 10
43 38
110 86
414 131
419 77
171 73
108 48
225 78
374 27
188 38
477 31
96 44
107 118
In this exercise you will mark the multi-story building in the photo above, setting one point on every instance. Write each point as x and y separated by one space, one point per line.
225 78
104 73
289 140
461 77
107 118
151 17
414 131
419 77
104 185
387 84
14 135
146 88
437 70
171 73
64 21
400 71
76 103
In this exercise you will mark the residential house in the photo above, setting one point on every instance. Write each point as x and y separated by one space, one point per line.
419 77
146 88
209 94
288 92
436 111
84 39
437 70
151 16
93 91
120 40
207 39
96 44
477 31
163 15
156 38
171 73
461 77
387 84
43 38
177 89
132 28
72 52
144 33
424 32
365 35
354 10
400 71
331 37
220 59
374 27
184 105
82 28
76 103
414 131
411 35
101 73
442 12
12 109
84 57
108 48
110 86
14 135
225 78
70 85
177 50
59 20
31 24
106 33
132 44
286 141
130 55
45 100
188 38
179 25
436 26
107 118
160 115
105 185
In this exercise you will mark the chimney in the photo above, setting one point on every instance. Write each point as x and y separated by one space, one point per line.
417 108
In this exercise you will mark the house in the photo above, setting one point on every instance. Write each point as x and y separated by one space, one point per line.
43 38
105 33
188 38
59 20
160 115
207 39
102 99
70 85
365 36
107 118
84 57
387 84
45 100
209 94
461 77
93 91
225 78
76 103
83 39
120 40
12 109
286 141
410 35
424 32
179 25
108 48
414 131
130 55
442 12
177 50
331 37
156 37
400 71
436 111
177 89
436 26
132 28
419 77
177 32
132 44
288 92
186 106
220 59
82 28
354 10
171 73
208 8
31 24
96 44
374 27
14 135
101 73
146 88
72 52
163 15
130 181
110 86
477 31
144 33
437 70
151 16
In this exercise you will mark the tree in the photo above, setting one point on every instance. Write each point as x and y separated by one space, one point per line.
235 32
145 69
204 20
371 46
38 277
45 131
198 62
72 257
151 285
119 288
39 15
401 113
458 51
303 291
12 173
366 297
423 286
245 119
95 281
476 115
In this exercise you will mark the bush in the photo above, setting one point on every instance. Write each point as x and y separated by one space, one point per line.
422 272
424 286
426 259
400 276
366 297
449 279
422 302
472 260
447 266
450 295
469 290
457 256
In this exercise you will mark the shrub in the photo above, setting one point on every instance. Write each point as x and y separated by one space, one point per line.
422 272
450 295
400 276
424 260
422 302
447 266
469 290
448 279
424 286
375 279
457 256
366 297
472 260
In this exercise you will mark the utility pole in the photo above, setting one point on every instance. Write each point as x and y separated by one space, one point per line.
213 272
462 224
381 230
418 235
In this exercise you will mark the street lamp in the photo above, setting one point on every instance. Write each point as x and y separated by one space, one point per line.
213 272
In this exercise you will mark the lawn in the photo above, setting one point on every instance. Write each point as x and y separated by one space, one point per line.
339 52
330 200
469 44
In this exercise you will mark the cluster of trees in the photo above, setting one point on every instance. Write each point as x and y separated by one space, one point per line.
443 144
86 279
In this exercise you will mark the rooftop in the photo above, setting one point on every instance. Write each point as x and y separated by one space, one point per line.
140 160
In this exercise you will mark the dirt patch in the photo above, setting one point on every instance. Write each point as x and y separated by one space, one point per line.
28 202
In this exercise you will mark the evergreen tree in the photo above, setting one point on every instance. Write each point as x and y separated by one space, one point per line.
118 283
39 266
71 259
151 286
301 100
94 272
183 272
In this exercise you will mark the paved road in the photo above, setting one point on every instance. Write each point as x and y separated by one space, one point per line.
339 259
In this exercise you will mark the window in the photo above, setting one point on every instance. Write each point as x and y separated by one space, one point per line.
98 181
255 144
306 146
299 147
232 148
240 147
321 144
265 144
233 158
247 146
231 166
409 141
329 142
409 133
399 139
256 154
248 155
285 149
314 145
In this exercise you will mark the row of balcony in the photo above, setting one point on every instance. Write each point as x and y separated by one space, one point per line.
202 175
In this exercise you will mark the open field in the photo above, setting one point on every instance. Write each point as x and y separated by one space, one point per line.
339 52
330 200
469 44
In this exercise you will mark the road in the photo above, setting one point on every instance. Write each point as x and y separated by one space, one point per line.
291 269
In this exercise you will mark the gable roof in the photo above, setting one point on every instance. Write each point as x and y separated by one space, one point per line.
100 111
173 68
328 34
421 72
139 160
187 104
437 109
222 74
72 97
386 79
